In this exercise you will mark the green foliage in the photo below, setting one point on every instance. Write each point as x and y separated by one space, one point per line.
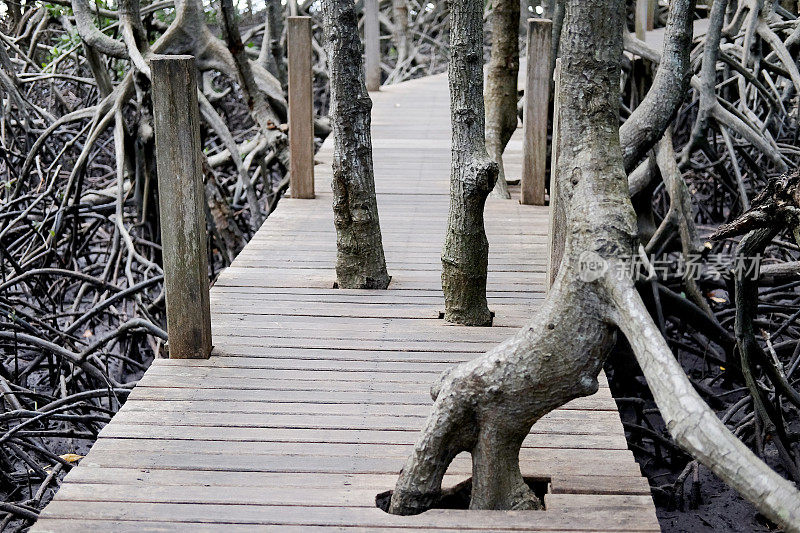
57 11
166 15
211 16
64 44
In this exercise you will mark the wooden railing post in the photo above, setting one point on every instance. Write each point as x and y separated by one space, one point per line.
558 216
372 46
534 116
181 200
301 109
640 18
651 14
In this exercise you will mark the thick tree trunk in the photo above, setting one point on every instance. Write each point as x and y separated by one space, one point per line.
501 85
488 405
360 262
472 175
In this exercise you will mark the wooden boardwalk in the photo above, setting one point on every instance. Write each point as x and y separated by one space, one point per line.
314 396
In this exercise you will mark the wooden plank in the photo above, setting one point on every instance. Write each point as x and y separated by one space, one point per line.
285 393
346 496
535 116
641 15
560 484
301 108
326 449
129 438
312 406
181 201
534 465
559 420
60 525
626 512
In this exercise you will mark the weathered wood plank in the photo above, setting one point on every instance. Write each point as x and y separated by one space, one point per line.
181 199
535 116
301 108
300 395
561 484
625 512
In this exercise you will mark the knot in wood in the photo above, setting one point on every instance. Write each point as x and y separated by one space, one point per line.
483 172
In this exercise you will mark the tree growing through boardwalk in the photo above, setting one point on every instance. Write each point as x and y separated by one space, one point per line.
473 173
487 406
501 85
360 263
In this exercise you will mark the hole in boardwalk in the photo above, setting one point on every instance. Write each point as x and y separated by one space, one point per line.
369 283
441 315
458 496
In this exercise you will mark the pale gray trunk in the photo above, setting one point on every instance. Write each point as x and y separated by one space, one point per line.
271 54
473 173
360 262
557 17
255 100
501 85
400 29
650 119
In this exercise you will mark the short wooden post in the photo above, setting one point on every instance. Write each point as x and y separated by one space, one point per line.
372 46
651 14
181 200
534 117
640 18
301 109
558 216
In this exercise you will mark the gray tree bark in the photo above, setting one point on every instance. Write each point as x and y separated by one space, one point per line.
271 53
473 173
360 262
557 16
650 119
501 85
488 405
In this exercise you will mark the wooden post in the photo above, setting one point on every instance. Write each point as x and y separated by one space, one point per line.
652 5
558 215
301 109
372 46
534 117
181 200
640 18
